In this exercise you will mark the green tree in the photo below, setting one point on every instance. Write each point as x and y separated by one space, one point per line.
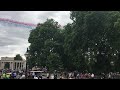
45 40
18 57
91 43
54 62
92 40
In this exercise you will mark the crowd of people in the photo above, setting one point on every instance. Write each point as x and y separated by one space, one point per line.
12 74
23 74
77 75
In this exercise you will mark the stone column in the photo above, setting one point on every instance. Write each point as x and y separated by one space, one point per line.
11 65
24 65
0 65
15 65
3 65
20 65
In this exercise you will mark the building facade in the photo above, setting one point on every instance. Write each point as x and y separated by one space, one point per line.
13 64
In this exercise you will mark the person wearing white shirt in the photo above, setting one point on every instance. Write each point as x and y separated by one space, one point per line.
52 76
92 75
35 77
22 77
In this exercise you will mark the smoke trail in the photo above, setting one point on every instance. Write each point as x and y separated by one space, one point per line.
9 22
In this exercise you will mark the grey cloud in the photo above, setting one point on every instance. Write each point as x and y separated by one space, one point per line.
22 33
63 17
14 40
13 36
15 15
44 15
12 50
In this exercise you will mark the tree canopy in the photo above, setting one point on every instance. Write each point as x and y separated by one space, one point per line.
18 57
46 45
90 44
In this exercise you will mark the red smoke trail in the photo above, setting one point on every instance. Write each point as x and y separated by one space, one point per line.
17 22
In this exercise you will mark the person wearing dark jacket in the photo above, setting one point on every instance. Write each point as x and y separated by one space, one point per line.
75 74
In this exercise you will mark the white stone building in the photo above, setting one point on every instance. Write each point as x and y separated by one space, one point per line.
13 64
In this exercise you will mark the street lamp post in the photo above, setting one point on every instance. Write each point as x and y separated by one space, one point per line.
26 55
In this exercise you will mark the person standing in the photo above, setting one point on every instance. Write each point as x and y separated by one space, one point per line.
61 76
7 76
4 75
18 76
92 76
78 76
48 75
0 74
52 76
35 77
55 74
75 74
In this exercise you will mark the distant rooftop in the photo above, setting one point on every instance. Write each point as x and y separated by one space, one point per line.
7 58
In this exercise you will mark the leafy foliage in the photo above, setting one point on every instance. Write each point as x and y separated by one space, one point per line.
90 44
18 57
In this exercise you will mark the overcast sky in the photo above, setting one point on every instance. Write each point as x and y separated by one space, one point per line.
14 40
